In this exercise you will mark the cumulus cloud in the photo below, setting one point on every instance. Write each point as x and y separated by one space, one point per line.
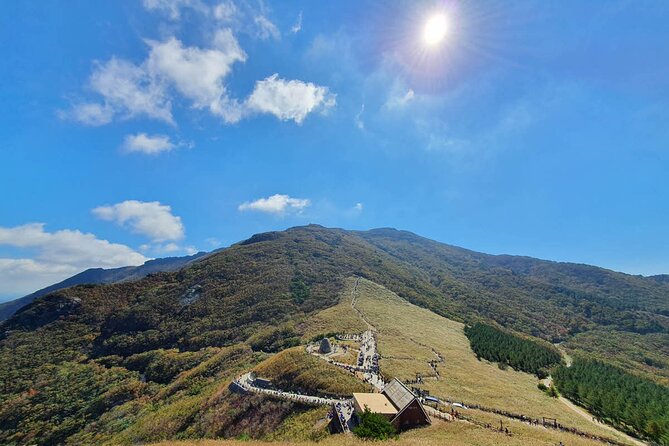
58 255
276 204
358 207
152 219
127 90
198 74
289 100
151 145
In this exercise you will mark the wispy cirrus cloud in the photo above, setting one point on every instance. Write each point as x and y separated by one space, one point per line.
297 27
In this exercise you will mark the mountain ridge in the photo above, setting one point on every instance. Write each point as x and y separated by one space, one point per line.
98 276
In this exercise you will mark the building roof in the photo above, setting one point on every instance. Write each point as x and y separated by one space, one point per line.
376 402
398 394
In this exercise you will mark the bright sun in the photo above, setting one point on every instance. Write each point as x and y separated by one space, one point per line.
435 29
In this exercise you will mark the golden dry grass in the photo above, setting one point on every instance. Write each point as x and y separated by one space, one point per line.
337 319
294 368
407 334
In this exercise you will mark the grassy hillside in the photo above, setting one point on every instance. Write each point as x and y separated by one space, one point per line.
296 370
151 359
409 337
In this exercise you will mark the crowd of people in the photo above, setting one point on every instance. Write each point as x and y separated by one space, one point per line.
343 411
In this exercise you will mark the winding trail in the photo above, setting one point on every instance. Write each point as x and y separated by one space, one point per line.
582 412
245 382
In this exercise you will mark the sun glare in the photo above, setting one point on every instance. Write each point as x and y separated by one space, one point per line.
435 29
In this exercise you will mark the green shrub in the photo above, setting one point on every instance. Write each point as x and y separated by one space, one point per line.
374 426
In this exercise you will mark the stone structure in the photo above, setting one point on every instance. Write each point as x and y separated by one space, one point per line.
325 346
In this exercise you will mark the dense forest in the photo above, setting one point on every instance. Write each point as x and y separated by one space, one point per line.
496 345
632 403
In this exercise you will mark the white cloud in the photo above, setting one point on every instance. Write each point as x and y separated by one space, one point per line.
150 145
297 27
58 255
173 70
198 74
358 207
265 28
89 114
288 100
151 219
127 90
276 204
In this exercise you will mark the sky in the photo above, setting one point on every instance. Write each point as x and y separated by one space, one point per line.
137 129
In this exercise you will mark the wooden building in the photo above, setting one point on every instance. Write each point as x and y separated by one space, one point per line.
397 403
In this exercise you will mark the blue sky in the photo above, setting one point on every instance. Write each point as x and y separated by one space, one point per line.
145 128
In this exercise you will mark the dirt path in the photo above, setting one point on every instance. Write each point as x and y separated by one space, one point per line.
582 412
354 299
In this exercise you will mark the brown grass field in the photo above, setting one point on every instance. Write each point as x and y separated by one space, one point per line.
408 337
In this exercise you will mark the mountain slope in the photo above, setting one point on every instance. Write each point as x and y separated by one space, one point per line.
128 349
101 275
586 295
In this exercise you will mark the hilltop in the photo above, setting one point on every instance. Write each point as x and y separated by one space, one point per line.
151 359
